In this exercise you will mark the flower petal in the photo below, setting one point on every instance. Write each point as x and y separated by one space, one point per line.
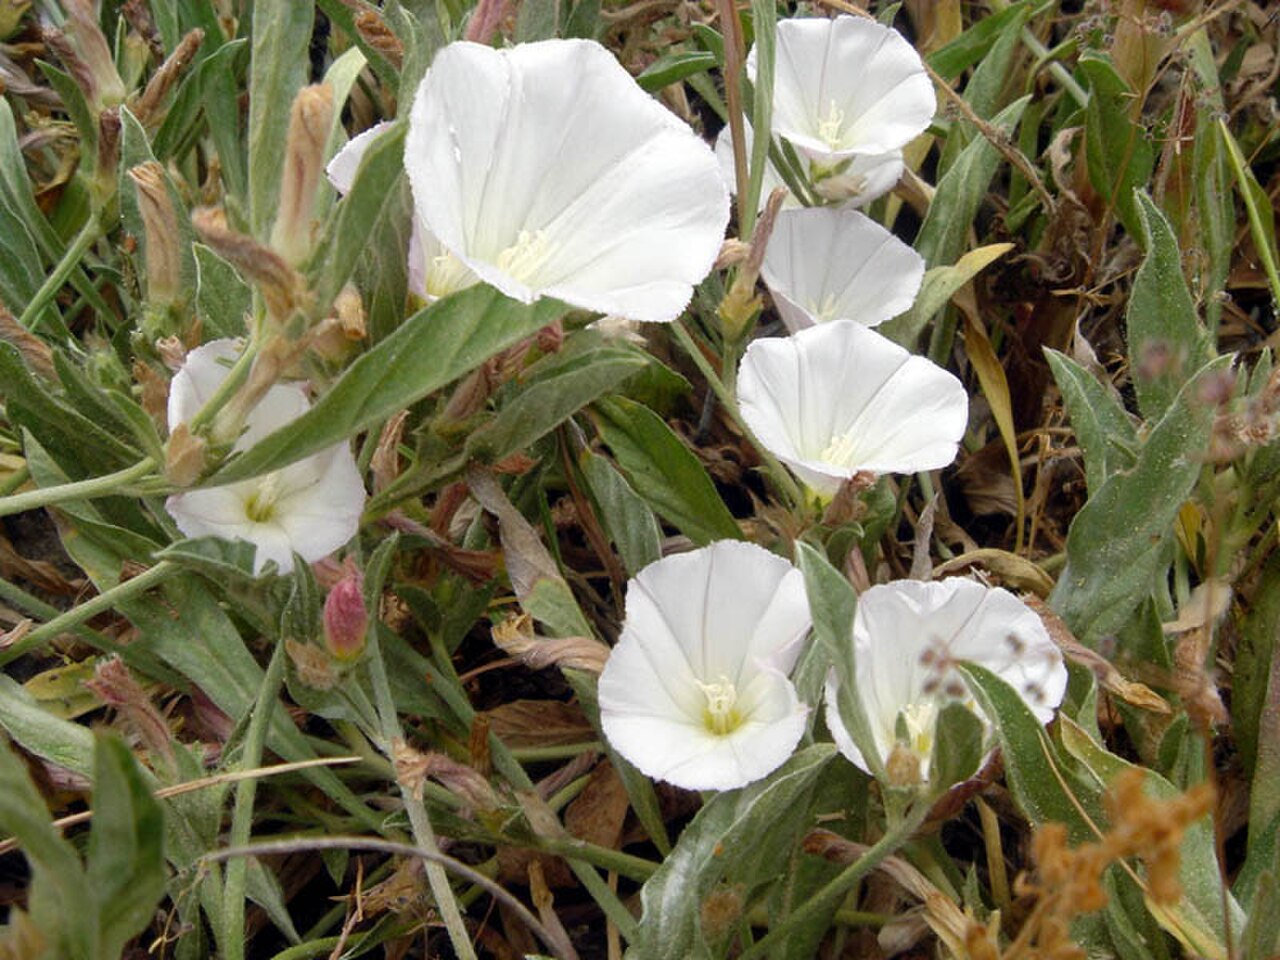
625 222
836 264
323 514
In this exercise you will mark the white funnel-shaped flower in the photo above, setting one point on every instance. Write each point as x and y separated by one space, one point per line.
839 399
311 507
908 636
546 171
696 691
847 87
826 264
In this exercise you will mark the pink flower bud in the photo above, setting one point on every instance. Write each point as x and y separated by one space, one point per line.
345 618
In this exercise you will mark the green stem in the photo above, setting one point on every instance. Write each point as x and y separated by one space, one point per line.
86 238
80 490
235 378
826 898
237 877
419 821
559 751
781 478
126 590
606 858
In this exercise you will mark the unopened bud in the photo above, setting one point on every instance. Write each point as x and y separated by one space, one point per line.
374 31
184 457
740 305
148 107
338 334
314 667
104 179
160 226
35 353
96 73
345 618
309 124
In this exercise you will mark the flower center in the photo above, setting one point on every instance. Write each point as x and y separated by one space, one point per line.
447 274
840 451
260 506
829 129
720 715
525 257
920 719
825 309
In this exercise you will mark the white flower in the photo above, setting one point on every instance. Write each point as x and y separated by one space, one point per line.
547 171
847 87
696 690
867 177
839 399
311 507
827 264
907 637
848 94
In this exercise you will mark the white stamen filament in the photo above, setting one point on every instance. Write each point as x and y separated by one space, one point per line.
829 129
447 274
840 452
260 506
524 258
720 715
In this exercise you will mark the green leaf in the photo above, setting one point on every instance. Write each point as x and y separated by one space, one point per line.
219 77
78 445
1046 789
737 832
537 20
277 70
432 348
1119 542
1118 154
1255 702
223 299
556 388
125 864
959 746
1103 428
535 577
833 605
972 45
675 66
941 283
57 877
1164 331
1257 203
61 742
347 233
218 559
960 193
627 519
663 471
